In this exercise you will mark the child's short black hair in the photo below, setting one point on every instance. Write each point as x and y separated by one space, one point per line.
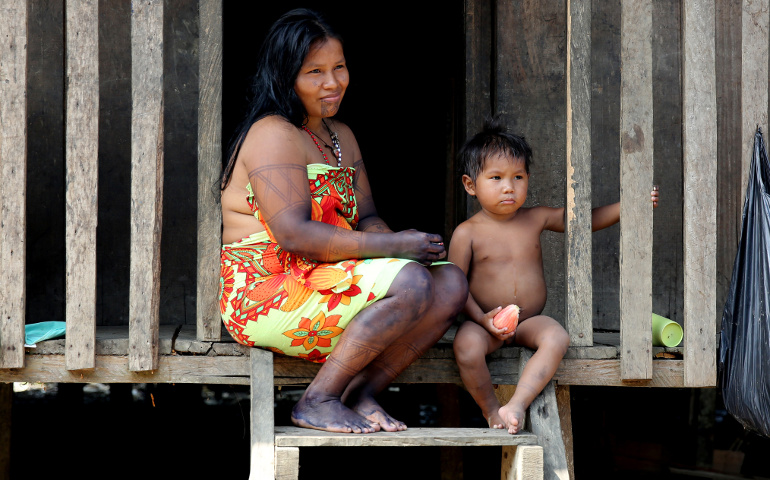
494 139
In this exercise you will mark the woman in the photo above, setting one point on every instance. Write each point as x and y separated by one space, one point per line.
308 268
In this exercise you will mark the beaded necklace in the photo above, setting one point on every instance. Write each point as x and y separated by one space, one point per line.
335 141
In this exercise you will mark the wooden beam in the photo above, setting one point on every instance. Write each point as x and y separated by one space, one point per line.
146 182
699 135
114 369
209 323
82 153
754 74
544 421
578 284
13 178
234 370
412 437
262 421
636 164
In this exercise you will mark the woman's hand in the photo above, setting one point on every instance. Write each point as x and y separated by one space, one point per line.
422 247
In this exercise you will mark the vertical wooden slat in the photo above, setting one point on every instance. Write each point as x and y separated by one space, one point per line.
146 181
262 420
478 73
754 74
699 135
579 291
636 160
209 325
82 145
13 172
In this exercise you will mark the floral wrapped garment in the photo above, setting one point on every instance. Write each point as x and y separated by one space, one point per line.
292 305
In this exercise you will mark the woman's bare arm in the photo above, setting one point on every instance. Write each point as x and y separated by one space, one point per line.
277 167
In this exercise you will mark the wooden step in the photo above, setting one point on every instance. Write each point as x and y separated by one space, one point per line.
412 437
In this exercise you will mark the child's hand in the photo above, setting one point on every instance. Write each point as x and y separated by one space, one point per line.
654 196
488 323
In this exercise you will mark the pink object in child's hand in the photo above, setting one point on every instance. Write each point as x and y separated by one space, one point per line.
507 318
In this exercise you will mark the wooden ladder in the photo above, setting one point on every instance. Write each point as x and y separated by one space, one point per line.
530 455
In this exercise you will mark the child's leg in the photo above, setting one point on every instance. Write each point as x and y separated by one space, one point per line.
550 341
471 346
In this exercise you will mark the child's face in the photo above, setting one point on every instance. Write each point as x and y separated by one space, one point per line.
501 187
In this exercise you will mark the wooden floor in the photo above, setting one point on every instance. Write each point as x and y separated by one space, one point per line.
184 359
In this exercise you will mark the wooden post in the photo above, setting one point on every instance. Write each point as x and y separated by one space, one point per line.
146 181
636 160
699 136
262 421
13 173
545 423
579 292
82 149
754 74
209 168
478 73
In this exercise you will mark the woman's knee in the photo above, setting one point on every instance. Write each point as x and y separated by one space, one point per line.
413 288
450 289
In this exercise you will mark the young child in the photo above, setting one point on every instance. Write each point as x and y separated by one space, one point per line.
499 250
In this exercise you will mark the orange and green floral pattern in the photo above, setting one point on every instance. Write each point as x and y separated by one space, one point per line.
273 299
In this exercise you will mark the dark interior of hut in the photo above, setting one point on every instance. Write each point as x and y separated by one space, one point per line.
404 105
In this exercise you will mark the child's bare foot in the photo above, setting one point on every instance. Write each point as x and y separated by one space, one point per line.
512 417
495 420
331 415
367 407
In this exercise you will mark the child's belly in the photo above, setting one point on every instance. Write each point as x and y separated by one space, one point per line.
495 289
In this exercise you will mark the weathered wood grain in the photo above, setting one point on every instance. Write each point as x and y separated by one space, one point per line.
146 181
545 423
13 190
754 73
114 369
527 464
478 74
262 421
565 416
730 144
530 96
412 437
578 283
82 154
700 167
636 162
286 463
209 168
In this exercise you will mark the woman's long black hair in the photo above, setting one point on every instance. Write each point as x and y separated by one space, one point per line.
287 44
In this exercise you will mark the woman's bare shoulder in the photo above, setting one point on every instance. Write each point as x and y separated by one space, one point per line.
272 139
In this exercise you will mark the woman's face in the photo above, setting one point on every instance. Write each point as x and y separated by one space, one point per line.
322 79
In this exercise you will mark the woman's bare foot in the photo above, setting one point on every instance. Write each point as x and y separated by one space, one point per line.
368 408
331 415
495 420
512 416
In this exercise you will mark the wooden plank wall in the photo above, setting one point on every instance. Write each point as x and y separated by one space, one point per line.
579 291
529 88
82 148
13 168
209 325
636 180
700 167
146 182
754 75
